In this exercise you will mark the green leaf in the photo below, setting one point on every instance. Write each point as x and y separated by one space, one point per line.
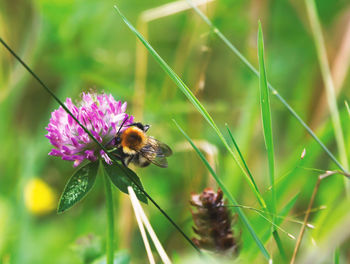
286 209
78 186
241 156
121 181
267 128
266 115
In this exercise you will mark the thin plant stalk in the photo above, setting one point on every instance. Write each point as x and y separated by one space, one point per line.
193 99
306 218
116 162
110 217
347 107
232 47
140 224
137 206
287 219
328 81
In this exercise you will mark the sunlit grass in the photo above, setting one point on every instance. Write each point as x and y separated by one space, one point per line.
74 48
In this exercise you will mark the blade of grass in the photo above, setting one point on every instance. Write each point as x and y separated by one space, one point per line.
267 129
266 116
328 81
228 195
99 144
336 256
273 222
192 98
347 107
221 36
288 207
240 155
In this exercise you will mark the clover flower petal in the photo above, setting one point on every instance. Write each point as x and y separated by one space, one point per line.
101 114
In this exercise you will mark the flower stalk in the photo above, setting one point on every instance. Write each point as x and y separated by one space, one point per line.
110 217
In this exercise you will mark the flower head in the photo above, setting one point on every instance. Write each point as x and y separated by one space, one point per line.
101 114
212 222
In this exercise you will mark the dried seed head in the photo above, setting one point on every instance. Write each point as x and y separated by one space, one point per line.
212 222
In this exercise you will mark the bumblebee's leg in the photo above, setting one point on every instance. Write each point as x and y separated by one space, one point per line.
123 162
140 161
119 155
127 160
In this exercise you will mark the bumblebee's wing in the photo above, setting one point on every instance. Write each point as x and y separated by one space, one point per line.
156 152
161 147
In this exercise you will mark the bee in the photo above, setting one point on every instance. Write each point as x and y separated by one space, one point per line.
134 146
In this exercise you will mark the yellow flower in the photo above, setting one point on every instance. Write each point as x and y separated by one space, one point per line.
39 197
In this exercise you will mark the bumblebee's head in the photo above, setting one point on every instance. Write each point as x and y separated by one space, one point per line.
141 126
132 140
117 140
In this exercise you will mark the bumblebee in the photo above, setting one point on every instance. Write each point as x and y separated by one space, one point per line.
133 145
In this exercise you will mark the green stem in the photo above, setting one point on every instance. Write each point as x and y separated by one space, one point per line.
279 244
110 219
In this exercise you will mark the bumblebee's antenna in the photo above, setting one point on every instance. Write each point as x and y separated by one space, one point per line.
120 127
126 118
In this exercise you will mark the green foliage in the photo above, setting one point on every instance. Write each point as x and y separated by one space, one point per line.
78 186
119 258
117 175
82 45
266 113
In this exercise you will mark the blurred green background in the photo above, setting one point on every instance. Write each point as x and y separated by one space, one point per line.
77 45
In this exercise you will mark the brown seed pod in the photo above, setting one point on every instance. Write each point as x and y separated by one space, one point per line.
212 222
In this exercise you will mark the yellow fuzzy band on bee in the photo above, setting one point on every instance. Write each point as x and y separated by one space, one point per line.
129 151
133 139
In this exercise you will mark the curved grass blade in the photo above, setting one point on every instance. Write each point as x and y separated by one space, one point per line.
228 195
99 144
78 186
273 90
192 98
240 155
